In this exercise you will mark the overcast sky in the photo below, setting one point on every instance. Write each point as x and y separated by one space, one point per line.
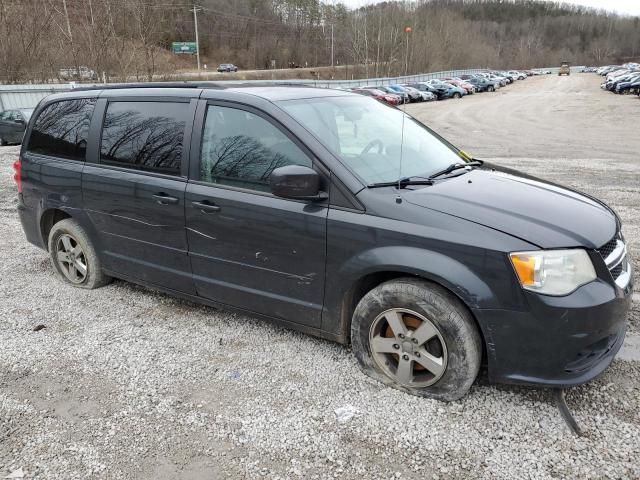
631 7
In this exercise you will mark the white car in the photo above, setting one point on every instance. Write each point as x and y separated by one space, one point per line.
81 73
428 96
518 75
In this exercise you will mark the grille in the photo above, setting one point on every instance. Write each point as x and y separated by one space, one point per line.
618 265
608 247
616 271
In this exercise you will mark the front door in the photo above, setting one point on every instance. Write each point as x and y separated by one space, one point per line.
247 247
134 195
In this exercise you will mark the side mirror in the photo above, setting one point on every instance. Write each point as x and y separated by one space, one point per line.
296 182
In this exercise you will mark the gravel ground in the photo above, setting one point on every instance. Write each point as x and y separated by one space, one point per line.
127 383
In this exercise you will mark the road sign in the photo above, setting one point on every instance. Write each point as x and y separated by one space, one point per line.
184 48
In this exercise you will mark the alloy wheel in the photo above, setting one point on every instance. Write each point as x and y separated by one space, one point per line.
71 259
408 347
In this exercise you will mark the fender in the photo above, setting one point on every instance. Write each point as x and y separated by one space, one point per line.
434 266
472 282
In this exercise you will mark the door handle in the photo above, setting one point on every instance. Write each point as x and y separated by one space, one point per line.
206 207
164 199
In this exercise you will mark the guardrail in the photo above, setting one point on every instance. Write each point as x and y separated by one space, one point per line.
28 96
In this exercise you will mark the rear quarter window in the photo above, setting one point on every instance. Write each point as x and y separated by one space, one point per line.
61 129
144 135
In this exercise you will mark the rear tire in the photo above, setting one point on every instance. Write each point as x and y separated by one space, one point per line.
491 88
457 95
74 257
3 142
397 316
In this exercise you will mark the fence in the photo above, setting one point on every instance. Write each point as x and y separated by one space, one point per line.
28 96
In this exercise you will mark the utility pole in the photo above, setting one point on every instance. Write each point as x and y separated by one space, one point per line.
195 22
332 45
407 31
73 49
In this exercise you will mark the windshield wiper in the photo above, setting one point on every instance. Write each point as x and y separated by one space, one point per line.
455 166
403 182
417 180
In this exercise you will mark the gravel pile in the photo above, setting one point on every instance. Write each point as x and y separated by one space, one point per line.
126 383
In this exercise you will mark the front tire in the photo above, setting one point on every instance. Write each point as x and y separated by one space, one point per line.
74 257
457 95
416 336
3 142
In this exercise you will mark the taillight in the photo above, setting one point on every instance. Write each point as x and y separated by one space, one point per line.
17 166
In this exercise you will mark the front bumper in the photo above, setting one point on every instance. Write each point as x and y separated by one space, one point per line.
559 341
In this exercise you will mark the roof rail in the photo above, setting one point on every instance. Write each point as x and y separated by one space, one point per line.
118 86
266 83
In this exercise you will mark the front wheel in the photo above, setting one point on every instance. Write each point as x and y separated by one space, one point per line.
457 95
73 256
416 336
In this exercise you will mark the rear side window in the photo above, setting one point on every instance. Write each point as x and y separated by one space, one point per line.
144 135
62 128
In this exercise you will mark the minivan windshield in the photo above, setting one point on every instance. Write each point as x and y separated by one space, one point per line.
368 137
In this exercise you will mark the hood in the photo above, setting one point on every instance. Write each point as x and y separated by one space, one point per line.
531 209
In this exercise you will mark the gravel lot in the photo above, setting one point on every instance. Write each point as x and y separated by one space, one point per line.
127 383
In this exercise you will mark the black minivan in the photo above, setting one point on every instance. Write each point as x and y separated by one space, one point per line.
334 214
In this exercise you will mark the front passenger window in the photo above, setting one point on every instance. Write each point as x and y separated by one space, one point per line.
241 149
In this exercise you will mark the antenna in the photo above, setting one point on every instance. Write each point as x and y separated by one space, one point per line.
404 112
407 31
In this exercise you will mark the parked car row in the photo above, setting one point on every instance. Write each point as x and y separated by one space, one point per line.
621 79
443 88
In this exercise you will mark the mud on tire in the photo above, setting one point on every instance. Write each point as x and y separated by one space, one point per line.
68 236
453 322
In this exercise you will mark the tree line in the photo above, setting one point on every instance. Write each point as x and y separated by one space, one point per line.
132 38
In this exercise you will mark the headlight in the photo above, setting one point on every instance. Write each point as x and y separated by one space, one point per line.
553 272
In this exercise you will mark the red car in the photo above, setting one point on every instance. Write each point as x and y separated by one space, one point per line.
462 84
384 97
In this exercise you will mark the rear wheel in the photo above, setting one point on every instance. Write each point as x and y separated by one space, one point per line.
457 95
491 88
73 256
415 336
3 142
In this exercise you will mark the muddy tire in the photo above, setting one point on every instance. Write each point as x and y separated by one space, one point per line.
417 337
74 257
